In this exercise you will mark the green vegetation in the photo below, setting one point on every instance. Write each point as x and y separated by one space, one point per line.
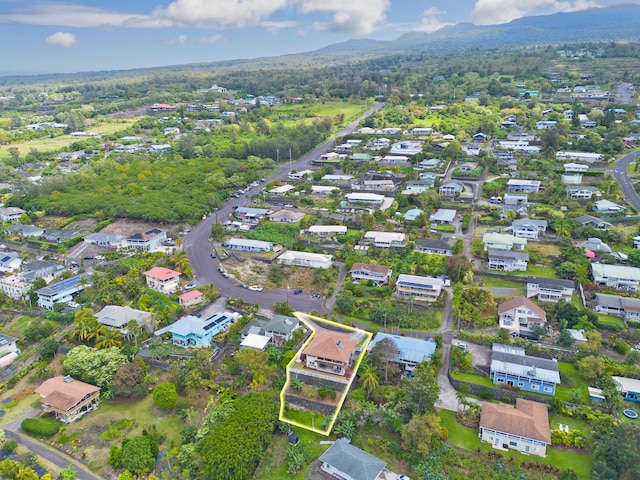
41 426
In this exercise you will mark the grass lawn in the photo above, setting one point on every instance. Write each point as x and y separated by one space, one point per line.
467 438
609 322
563 392
544 249
273 465
314 420
496 282
573 423
471 378
537 271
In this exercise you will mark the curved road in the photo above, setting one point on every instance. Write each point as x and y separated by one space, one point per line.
198 247
620 172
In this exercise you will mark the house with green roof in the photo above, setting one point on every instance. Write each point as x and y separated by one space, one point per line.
343 460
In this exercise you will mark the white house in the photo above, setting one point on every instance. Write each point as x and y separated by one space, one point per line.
418 288
550 289
11 214
524 428
62 292
443 216
582 156
575 167
326 230
520 314
248 245
618 277
10 262
500 241
607 206
525 186
507 261
162 279
625 307
305 259
528 228
407 148
365 198
385 239
364 272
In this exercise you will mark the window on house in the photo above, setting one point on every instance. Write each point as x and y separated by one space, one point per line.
535 387
521 384
513 444
500 380
547 389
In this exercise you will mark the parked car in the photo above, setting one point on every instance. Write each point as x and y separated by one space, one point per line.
190 285
461 346
99 257
73 305
256 288
213 254
297 291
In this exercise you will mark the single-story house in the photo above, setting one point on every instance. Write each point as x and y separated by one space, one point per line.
629 387
413 214
281 191
105 239
248 245
117 317
10 262
191 298
618 277
326 230
255 342
286 216
507 261
438 247
625 307
409 351
500 241
344 461
520 314
593 222
25 230
305 259
364 272
329 352
9 351
11 214
192 331
550 289
607 206
68 399
365 198
524 428
443 216
415 187
249 214
162 279
588 157
575 167
385 239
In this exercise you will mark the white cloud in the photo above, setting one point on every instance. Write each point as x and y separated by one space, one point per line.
220 14
273 27
79 16
179 40
211 39
61 39
487 12
354 16
429 21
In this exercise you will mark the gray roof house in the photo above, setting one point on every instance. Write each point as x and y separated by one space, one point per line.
593 222
117 317
26 230
439 247
343 460
507 261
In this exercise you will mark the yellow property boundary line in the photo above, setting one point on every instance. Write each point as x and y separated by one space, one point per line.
304 318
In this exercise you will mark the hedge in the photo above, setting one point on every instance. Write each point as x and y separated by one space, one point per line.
41 426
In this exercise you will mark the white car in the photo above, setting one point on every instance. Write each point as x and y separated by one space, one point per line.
255 288
461 346
73 305
99 257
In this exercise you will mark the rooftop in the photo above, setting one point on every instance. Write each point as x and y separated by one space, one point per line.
528 419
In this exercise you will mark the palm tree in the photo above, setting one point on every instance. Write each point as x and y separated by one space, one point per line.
85 329
109 338
369 379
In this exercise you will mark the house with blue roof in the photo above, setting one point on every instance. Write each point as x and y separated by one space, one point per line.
192 331
62 292
409 351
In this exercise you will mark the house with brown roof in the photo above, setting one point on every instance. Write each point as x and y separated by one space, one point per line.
330 352
68 399
162 279
519 315
524 428
378 274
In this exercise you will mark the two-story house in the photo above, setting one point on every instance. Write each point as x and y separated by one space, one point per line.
524 428
507 261
519 315
417 287
148 241
330 352
528 228
451 188
550 289
625 307
516 185
500 241
385 239
511 366
62 292
162 279
582 192
365 272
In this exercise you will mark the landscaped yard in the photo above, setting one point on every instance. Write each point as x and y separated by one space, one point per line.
609 322
467 438
537 271
564 391
497 282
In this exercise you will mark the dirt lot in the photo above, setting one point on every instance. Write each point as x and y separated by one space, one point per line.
129 227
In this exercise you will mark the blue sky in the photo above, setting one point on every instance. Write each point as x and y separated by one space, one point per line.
51 36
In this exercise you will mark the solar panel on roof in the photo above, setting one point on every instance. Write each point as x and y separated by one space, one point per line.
255 330
5 258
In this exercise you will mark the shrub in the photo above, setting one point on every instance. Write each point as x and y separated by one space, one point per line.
41 426
10 445
165 396
485 393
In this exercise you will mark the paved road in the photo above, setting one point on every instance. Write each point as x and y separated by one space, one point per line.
198 246
12 432
620 172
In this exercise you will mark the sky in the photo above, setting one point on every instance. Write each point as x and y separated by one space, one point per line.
51 36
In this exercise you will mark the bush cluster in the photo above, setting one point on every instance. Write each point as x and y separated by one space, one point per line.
41 426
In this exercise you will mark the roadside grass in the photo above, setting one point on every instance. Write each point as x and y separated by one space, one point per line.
471 378
467 438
